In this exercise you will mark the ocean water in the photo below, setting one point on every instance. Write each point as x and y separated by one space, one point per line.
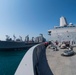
9 61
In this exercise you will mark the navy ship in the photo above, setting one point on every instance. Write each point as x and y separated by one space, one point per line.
63 33
15 43
19 43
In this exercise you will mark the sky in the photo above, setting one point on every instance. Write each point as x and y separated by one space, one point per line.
32 17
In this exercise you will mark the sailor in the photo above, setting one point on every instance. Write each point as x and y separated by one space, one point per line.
46 44
70 48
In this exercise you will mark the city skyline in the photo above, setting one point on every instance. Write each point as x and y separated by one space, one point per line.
32 17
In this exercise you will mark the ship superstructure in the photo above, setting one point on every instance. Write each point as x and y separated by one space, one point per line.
18 43
64 32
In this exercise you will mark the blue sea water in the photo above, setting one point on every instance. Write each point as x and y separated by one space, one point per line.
9 61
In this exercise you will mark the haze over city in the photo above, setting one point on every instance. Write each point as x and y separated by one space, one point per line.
32 17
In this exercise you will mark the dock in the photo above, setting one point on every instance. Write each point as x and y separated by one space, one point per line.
61 65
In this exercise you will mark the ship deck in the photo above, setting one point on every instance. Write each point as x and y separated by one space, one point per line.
61 65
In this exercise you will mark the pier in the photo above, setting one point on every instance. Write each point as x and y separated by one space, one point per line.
61 65
40 60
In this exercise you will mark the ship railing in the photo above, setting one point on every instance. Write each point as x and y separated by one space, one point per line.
30 61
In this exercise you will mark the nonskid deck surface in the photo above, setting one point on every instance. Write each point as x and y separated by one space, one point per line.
61 65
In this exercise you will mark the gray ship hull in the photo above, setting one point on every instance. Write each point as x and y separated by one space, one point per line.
14 45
